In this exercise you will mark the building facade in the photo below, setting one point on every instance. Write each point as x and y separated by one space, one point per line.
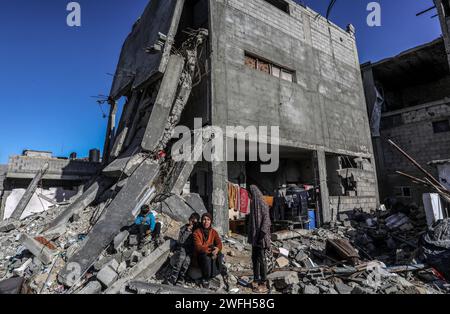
265 63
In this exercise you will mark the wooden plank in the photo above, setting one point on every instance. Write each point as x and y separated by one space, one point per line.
18 211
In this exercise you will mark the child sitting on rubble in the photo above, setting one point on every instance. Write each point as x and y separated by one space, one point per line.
144 225
181 260
208 251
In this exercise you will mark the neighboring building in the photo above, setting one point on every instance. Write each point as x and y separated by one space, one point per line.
443 169
443 8
408 99
267 63
61 181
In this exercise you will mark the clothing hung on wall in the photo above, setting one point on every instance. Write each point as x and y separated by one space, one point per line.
290 204
238 201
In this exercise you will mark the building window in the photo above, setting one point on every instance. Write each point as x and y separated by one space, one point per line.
280 4
404 191
441 126
269 68
391 121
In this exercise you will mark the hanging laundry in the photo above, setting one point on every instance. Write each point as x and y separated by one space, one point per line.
231 196
244 199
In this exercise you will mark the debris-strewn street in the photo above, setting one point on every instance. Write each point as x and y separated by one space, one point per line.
354 256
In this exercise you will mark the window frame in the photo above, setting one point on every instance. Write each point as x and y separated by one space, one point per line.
435 126
281 5
271 65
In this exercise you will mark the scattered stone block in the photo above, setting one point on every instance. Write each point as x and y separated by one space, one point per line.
93 287
282 262
120 239
309 289
7 226
301 256
43 253
342 288
107 276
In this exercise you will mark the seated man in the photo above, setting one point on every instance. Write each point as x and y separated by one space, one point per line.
208 251
144 225
181 260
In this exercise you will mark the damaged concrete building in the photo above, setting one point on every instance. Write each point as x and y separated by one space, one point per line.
277 63
62 179
408 99
252 63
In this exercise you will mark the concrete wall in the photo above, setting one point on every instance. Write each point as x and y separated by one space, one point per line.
417 138
339 204
26 167
323 109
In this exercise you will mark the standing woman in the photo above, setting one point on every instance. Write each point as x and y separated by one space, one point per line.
259 237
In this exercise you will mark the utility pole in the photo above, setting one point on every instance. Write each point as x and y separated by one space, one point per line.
110 131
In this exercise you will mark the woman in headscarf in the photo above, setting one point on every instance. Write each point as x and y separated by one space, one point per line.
259 236
208 250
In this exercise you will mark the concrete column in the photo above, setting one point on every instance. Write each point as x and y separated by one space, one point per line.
220 197
324 194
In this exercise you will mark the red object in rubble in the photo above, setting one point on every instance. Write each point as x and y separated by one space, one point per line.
243 194
161 154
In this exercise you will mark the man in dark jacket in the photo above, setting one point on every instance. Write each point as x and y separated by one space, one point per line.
259 237
181 259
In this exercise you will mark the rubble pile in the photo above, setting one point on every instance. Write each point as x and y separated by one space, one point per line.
359 254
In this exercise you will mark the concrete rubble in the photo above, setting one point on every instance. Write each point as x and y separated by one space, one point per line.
382 258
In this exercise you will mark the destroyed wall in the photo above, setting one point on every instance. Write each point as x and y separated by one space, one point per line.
415 113
319 105
62 179
25 167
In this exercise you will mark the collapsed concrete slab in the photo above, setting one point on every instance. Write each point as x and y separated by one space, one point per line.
149 288
17 213
93 287
120 213
163 104
155 30
194 201
145 269
89 196
176 208
124 166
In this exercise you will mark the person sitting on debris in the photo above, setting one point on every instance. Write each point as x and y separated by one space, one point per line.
208 251
259 237
145 225
181 260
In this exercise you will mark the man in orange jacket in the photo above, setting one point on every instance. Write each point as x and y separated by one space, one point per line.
208 250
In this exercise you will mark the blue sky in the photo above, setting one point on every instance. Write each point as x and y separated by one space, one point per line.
49 71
